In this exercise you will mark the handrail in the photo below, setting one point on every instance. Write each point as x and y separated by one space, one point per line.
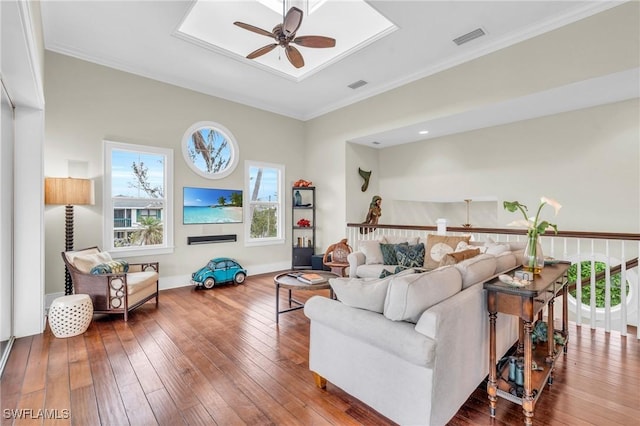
508 231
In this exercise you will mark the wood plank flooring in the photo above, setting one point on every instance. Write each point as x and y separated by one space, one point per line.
217 357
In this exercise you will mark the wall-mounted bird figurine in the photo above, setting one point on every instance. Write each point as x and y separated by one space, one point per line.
365 176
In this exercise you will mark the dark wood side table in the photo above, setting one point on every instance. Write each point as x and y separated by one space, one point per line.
284 280
527 303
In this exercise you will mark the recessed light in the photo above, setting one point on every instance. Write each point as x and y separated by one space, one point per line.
375 143
423 132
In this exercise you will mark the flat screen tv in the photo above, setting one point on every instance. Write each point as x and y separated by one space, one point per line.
211 205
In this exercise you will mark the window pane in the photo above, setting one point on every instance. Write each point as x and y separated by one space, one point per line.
137 189
264 222
137 210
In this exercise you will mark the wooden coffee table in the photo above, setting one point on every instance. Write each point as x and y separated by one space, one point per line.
284 280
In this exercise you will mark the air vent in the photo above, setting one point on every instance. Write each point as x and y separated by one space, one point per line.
357 84
469 36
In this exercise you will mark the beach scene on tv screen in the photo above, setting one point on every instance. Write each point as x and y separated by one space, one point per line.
209 205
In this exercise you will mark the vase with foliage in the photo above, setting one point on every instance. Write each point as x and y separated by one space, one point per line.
533 257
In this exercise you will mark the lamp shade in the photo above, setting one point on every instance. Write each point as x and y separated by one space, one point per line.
68 191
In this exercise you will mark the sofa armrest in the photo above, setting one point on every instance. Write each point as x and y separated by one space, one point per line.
355 259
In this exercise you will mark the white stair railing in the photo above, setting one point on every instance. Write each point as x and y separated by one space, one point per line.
613 250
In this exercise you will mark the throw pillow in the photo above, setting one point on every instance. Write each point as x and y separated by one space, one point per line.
410 256
385 272
389 253
113 267
438 246
371 251
458 256
85 262
464 246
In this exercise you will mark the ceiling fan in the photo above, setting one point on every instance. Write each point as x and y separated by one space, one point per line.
285 34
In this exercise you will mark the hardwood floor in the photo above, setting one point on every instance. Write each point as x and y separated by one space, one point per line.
217 357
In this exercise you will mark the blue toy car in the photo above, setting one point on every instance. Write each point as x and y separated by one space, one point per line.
219 271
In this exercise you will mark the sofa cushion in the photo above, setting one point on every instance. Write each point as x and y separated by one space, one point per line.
410 295
84 262
458 256
361 293
476 269
505 261
439 245
410 256
398 338
389 253
371 250
364 293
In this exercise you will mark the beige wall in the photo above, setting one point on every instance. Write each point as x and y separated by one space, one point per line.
596 46
559 156
86 103
585 159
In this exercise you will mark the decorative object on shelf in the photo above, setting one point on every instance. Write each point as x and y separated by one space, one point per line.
375 211
533 256
68 192
303 223
365 175
468 224
297 198
301 183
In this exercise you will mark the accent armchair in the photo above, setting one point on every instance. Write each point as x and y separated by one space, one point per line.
113 288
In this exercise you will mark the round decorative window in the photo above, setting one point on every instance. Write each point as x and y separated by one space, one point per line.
210 150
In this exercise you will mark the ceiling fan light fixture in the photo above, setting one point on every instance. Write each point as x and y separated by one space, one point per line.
357 84
465 38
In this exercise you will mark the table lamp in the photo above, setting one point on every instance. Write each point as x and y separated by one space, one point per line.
68 192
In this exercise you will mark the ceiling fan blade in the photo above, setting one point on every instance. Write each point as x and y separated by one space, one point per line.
292 22
253 29
294 56
259 52
315 41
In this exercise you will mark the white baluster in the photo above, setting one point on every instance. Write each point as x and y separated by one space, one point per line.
623 291
607 290
592 299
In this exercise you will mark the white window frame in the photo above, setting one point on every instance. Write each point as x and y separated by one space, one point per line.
108 229
234 150
280 238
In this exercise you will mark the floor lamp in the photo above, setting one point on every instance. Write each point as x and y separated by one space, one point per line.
68 192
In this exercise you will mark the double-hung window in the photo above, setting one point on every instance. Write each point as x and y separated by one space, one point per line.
138 199
264 198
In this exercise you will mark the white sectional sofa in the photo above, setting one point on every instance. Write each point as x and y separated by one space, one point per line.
412 346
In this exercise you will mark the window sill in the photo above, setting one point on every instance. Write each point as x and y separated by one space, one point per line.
264 242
